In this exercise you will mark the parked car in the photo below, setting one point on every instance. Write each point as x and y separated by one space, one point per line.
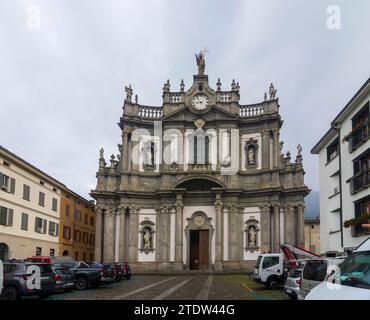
16 276
108 270
48 259
126 270
314 272
350 282
270 270
85 276
65 279
292 283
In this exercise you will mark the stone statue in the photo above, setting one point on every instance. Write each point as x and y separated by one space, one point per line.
299 149
251 156
272 91
252 236
101 151
128 91
201 63
147 238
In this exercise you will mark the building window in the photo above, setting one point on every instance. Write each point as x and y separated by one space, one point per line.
41 199
92 221
40 225
24 222
54 205
26 192
361 173
66 232
85 238
78 215
67 210
7 184
360 128
38 251
52 252
77 236
6 216
332 150
92 239
362 207
53 229
86 218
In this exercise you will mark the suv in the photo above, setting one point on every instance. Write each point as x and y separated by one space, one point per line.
16 276
270 270
108 270
315 272
85 276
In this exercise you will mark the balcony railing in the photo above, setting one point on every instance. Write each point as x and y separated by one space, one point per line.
252 111
360 181
150 112
359 136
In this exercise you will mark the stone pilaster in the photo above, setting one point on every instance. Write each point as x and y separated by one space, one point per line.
122 235
108 235
300 225
265 149
275 147
288 230
134 235
179 234
164 241
265 229
125 151
276 233
99 235
235 233
219 235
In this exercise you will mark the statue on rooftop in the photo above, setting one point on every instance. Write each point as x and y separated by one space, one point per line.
201 63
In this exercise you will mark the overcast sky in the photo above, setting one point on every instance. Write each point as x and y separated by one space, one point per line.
62 85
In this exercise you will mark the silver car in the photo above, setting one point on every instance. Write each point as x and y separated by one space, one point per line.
292 283
315 272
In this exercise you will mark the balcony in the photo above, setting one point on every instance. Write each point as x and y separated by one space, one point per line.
360 181
358 136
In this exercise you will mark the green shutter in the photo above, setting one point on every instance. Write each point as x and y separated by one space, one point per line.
12 185
44 226
36 224
10 217
57 229
1 179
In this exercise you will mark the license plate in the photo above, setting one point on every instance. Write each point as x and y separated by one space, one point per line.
288 291
70 284
45 278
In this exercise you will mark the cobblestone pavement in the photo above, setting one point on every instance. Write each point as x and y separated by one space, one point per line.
184 287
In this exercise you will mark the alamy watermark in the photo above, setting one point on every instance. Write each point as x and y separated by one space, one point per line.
33 20
334 20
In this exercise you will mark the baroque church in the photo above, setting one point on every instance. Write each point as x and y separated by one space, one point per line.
199 183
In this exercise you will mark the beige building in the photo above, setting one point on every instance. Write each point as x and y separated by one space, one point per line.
312 235
29 209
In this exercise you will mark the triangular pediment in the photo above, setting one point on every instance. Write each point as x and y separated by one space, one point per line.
213 114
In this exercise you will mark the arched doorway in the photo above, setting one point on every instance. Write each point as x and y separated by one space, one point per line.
199 232
4 252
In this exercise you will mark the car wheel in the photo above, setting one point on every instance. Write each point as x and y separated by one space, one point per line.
10 293
81 284
272 283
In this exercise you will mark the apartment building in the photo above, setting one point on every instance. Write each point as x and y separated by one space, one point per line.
77 225
344 164
312 235
29 209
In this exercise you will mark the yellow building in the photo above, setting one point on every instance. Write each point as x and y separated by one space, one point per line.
312 235
77 226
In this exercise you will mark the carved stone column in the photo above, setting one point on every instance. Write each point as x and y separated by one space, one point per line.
275 147
125 151
265 149
99 235
109 235
265 229
276 238
164 225
288 231
219 235
235 234
179 234
300 225
134 235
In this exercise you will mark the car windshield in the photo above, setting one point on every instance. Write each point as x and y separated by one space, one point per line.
295 273
355 270
258 262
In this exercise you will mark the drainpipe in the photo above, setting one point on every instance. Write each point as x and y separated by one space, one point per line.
336 127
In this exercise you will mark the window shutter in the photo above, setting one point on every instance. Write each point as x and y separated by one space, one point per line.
57 229
36 224
10 217
1 179
12 185
357 209
44 226
3 214
50 228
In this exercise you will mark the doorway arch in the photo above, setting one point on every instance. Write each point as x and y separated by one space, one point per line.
4 251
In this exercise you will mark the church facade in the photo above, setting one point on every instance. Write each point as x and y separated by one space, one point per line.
199 183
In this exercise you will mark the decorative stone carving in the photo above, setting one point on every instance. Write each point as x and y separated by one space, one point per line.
272 92
201 63
218 84
251 149
147 234
128 91
252 231
182 85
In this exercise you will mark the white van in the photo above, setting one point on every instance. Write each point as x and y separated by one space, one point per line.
269 270
351 281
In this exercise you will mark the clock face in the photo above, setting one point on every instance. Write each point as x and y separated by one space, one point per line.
199 220
200 102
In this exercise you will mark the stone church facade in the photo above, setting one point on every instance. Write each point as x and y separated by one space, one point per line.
200 182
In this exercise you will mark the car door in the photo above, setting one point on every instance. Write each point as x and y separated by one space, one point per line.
313 274
270 265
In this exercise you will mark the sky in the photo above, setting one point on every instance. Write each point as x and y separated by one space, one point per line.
62 76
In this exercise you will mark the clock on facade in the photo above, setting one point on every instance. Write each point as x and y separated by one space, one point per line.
199 220
200 101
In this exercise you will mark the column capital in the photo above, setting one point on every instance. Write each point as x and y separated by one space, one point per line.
218 205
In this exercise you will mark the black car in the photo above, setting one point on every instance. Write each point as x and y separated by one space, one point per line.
65 279
108 270
85 276
17 278
126 270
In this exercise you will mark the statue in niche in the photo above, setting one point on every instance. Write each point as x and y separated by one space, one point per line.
252 236
147 238
251 155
